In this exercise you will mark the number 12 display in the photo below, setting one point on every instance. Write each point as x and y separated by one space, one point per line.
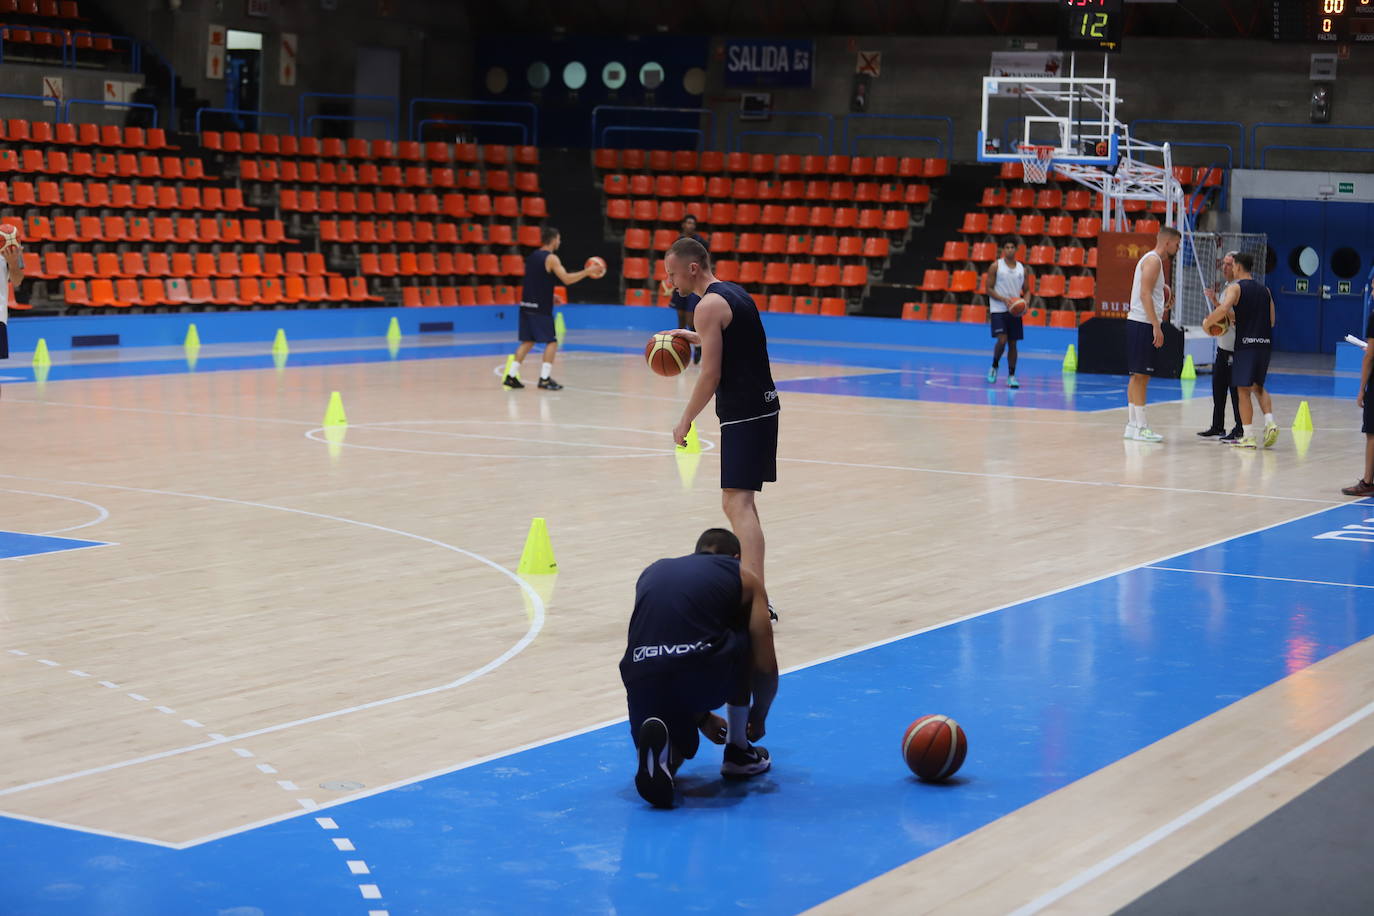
1090 25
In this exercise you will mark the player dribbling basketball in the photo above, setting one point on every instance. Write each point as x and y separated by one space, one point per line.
1008 280
699 638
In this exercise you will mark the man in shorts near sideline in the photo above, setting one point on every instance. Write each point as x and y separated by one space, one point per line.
1144 331
1365 400
536 308
735 371
1008 280
699 639
1251 309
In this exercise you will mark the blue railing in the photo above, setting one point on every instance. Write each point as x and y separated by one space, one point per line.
67 107
827 141
1239 160
944 145
62 42
1257 155
290 120
626 129
394 120
56 108
597 139
415 129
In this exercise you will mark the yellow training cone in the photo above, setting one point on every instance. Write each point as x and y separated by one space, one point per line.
40 353
693 446
1070 359
560 329
393 331
1189 370
279 345
192 338
537 557
334 413
279 358
393 346
1303 420
40 376
1302 438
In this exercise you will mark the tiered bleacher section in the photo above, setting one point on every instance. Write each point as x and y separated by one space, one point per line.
1055 227
805 234
433 223
49 31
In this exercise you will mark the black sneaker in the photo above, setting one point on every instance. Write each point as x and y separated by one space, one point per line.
512 382
653 782
1209 433
1232 436
772 614
549 384
740 761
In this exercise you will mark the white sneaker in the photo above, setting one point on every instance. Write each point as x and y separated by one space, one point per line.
1271 434
1130 432
1145 434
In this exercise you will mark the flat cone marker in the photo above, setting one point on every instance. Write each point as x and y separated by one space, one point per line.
537 557
334 413
393 331
560 329
1070 359
279 345
192 338
693 446
1302 422
1189 370
40 353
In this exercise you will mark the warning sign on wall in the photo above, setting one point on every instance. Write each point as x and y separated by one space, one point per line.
214 53
52 91
286 60
117 91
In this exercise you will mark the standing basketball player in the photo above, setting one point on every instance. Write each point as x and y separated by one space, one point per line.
1221 366
1008 280
699 639
1144 331
1365 401
536 309
735 370
11 275
1252 308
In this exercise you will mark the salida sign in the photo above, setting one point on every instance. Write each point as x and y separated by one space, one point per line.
777 62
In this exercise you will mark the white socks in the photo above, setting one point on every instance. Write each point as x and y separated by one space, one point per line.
1269 420
736 726
1136 416
545 370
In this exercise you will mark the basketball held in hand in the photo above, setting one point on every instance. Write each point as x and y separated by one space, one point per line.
9 237
1017 307
668 353
597 267
1220 328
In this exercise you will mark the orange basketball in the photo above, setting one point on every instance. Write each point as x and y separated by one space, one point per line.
934 747
668 353
1017 307
1220 328
596 265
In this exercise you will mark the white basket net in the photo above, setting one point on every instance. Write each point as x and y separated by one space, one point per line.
1037 162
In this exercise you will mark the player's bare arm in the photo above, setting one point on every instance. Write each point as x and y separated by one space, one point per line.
710 318
555 266
14 259
992 284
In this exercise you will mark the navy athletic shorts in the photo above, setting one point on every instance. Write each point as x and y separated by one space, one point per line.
1008 324
1249 367
1140 347
749 453
4 341
679 696
537 326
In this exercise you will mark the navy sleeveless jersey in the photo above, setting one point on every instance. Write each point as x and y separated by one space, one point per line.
685 611
746 390
539 283
1253 327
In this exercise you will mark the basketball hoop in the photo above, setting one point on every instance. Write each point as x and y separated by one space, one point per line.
1036 162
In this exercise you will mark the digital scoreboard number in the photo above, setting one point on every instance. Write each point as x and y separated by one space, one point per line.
1091 25
1324 20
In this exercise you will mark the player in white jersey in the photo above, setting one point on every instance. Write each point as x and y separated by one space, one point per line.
1008 280
1144 331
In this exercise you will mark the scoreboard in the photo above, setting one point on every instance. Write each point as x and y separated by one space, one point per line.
1090 25
1324 20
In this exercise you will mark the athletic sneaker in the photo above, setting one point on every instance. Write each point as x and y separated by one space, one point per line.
1213 431
1271 434
1359 488
652 781
744 761
772 614
512 382
1145 434
1245 442
992 376
549 384
1012 382
1130 432
1232 436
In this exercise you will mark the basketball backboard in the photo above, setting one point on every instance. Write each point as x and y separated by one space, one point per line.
1076 115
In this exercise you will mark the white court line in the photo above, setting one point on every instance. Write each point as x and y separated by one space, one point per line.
102 512
1150 839
1213 572
317 435
112 834
535 626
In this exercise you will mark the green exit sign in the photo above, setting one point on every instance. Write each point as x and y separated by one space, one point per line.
1343 287
1345 187
1300 285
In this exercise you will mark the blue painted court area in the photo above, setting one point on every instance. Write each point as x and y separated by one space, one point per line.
14 544
1049 691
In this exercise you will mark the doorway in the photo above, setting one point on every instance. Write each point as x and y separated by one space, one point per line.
243 76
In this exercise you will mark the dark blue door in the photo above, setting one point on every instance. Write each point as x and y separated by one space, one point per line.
1320 251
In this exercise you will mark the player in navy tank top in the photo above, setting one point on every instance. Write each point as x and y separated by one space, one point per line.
1251 309
735 371
536 309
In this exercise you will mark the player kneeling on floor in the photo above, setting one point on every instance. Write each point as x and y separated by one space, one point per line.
699 639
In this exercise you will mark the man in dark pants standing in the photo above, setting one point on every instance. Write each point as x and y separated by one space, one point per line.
1221 366
699 638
